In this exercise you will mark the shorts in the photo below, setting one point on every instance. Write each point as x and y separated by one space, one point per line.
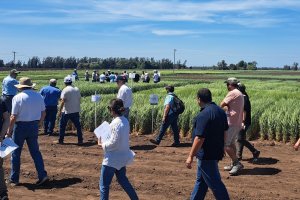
231 135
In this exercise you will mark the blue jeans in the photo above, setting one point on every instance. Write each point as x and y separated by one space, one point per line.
50 118
208 175
107 174
26 131
171 120
74 117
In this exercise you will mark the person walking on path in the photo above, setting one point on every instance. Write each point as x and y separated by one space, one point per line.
124 93
233 103
51 95
8 88
69 110
117 154
28 112
241 139
170 118
209 129
4 123
87 76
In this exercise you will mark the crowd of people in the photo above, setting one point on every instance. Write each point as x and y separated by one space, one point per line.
111 77
216 129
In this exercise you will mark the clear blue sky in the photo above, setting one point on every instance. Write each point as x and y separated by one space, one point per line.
203 32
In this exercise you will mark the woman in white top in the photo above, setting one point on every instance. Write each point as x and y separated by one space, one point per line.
116 153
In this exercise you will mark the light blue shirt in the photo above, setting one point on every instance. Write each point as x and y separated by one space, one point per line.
169 100
8 86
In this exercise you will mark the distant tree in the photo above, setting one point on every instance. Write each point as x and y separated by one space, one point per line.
232 67
242 65
70 63
295 66
222 65
10 64
34 62
2 64
287 67
18 64
252 65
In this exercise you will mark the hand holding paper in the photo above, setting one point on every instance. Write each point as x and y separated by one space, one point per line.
7 146
103 132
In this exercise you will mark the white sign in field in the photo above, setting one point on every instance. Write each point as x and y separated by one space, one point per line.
96 98
153 99
131 75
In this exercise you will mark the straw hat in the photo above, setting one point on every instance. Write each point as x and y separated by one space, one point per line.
25 82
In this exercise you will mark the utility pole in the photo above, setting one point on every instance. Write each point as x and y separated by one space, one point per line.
174 60
14 56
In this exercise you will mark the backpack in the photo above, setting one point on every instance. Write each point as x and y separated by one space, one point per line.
178 105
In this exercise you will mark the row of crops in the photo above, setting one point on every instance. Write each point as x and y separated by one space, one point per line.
275 104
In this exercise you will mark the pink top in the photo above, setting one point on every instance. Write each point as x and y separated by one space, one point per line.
235 101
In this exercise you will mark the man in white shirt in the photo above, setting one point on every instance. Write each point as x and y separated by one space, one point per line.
102 78
69 109
124 93
28 111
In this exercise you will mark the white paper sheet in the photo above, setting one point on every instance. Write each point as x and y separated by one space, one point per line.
7 146
103 131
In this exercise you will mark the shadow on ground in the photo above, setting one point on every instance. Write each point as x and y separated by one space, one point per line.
263 161
58 184
143 147
265 171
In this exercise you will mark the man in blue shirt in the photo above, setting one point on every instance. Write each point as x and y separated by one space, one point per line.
51 95
170 118
209 129
8 88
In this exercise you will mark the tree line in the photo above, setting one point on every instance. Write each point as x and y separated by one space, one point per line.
94 63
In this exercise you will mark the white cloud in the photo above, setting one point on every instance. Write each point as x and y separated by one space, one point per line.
104 11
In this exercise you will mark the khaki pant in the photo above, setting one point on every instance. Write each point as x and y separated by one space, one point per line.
3 187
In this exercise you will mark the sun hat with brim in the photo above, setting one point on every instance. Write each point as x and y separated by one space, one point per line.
25 82
68 79
231 80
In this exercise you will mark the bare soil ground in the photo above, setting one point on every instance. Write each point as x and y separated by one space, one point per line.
157 173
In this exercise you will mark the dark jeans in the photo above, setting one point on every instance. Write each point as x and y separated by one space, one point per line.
8 101
26 131
208 176
242 141
126 113
50 118
3 187
107 174
74 117
171 120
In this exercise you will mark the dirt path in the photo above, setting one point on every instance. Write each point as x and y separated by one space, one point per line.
157 173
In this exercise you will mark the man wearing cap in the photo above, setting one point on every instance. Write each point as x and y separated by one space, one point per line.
51 95
8 88
233 103
69 109
75 74
124 93
170 118
28 111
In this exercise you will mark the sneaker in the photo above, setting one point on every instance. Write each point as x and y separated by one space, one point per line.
228 167
256 154
236 169
154 141
11 183
42 181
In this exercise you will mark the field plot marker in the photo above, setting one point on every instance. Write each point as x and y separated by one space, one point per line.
96 98
153 101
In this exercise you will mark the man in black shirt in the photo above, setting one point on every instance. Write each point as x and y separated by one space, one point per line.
4 123
209 129
241 139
